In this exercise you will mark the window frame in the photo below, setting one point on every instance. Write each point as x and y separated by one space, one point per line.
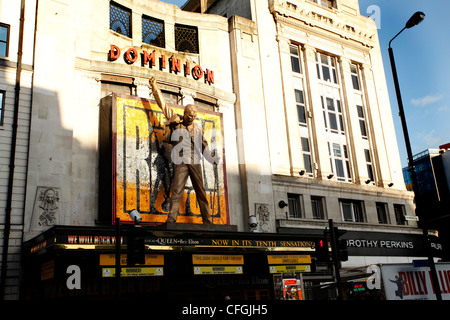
321 206
163 32
307 155
8 29
333 113
362 121
369 165
184 26
108 83
400 213
382 213
295 56
2 106
130 21
295 204
340 158
330 65
354 71
325 3
301 107
353 204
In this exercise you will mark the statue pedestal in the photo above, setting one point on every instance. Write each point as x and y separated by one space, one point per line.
199 227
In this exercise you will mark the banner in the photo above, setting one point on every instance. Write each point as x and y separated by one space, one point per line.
217 259
143 168
208 270
134 272
406 282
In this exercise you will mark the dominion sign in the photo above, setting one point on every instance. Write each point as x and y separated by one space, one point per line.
136 169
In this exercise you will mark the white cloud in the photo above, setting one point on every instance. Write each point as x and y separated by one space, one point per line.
428 140
426 100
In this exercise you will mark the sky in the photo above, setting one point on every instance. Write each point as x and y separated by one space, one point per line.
423 67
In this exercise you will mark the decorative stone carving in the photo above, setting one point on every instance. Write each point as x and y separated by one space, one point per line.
46 207
263 215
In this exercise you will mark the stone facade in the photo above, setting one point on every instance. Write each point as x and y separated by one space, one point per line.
250 46
15 78
341 165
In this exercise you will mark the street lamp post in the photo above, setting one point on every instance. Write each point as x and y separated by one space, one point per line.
415 19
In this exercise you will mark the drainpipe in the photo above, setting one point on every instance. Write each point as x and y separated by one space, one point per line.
12 156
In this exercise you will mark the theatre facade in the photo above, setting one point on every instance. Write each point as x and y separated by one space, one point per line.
271 92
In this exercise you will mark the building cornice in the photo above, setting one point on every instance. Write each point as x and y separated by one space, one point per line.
140 74
327 23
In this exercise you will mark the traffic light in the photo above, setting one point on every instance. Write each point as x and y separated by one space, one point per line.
341 244
342 250
135 247
321 246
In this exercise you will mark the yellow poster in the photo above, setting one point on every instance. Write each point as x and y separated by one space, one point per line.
213 259
290 268
206 270
288 259
109 259
134 272
144 170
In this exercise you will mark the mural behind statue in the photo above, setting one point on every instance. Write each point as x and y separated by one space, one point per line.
144 170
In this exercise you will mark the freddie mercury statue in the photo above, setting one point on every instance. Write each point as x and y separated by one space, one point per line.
187 139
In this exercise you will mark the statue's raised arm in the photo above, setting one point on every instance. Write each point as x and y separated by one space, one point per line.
157 94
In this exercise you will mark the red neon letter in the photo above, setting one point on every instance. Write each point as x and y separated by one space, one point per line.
176 64
198 72
129 57
149 57
114 52
210 76
187 69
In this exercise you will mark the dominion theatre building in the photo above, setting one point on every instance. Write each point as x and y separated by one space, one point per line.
292 96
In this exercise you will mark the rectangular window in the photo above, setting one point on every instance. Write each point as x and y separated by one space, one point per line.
120 19
340 162
355 76
117 84
339 165
347 163
326 68
300 102
204 102
186 39
318 207
4 40
2 106
153 32
362 121
295 205
352 210
306 155
369 165
382 213
325 3
334 120
399 211
295 59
